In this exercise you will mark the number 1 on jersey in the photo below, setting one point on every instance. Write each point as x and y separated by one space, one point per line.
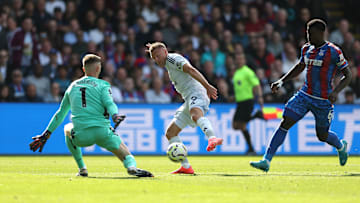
83 96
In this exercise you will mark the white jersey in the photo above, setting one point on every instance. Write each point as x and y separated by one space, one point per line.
183 82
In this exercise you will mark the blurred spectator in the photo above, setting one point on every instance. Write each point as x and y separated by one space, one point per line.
54 35
31 95
120 77
223 96
50 70
355 80
41 82
80 46
338 35
171 32
275 45
129 93
349 97
54 96
5 94
17 85
216 57
44 55
254 24
227 16
41 16
148 12
97 35
52 4
282 26
115 91
156 94
289 58
70 36
240 35
263 58
62 79
3 30
4 56
24 47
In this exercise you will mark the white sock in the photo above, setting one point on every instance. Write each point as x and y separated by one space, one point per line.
206 127
184 163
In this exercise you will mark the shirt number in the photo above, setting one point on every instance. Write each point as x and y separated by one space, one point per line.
83 96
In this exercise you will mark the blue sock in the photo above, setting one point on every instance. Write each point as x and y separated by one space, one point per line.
333 140
276 140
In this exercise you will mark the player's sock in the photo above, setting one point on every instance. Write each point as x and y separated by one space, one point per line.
333 140
248 140
129 161
76 152
206 127
276 140
185 163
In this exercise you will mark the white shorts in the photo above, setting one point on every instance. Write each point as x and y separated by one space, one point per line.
182 116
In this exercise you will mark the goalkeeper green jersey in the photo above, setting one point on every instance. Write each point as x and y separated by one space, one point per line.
91 103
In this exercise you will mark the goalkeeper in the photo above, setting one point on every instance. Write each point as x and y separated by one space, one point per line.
90 101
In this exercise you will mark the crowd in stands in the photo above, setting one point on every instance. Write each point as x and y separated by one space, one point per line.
42 43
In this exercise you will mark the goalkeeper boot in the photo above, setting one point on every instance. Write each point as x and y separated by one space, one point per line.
139 172
262 165
184 170
343 155
82 172
213 142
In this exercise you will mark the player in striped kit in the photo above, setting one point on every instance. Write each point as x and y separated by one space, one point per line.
322 60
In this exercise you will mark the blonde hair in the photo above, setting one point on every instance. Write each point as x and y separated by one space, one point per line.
90 59
155 45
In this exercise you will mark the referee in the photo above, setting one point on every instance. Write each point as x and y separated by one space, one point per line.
246 84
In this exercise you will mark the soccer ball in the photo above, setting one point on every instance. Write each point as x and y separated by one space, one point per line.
176 152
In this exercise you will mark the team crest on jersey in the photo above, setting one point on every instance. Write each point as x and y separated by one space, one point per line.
321 53
178 65
110 91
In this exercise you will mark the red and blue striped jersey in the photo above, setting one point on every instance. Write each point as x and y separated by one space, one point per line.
321 65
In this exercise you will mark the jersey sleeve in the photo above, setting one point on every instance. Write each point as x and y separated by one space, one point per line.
341 62
60 114
253 79
302 53
179 62
107 100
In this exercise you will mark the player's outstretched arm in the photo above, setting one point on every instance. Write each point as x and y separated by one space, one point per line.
294 72
193 72
40 140
345 81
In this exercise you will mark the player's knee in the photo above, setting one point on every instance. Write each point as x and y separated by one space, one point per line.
67 129
322 136
322 133
235 125
287 123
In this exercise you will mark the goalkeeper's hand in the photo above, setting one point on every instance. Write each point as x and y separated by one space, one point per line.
39 141
117 119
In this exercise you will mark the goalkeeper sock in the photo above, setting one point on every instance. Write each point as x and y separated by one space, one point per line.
185 163
129 161
276 140
206 127
76 152
333 140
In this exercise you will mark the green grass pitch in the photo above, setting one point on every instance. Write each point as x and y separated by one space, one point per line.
217 179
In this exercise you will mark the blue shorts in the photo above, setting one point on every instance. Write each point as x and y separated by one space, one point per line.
300 104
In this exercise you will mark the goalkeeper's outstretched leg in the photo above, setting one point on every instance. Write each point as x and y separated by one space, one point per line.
75 150
129 162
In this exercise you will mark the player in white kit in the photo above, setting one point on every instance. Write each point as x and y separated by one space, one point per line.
196 92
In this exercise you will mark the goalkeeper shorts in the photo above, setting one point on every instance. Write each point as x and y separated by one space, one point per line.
102 136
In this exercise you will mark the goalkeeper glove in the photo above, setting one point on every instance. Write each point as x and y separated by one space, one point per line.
39 141
117 119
